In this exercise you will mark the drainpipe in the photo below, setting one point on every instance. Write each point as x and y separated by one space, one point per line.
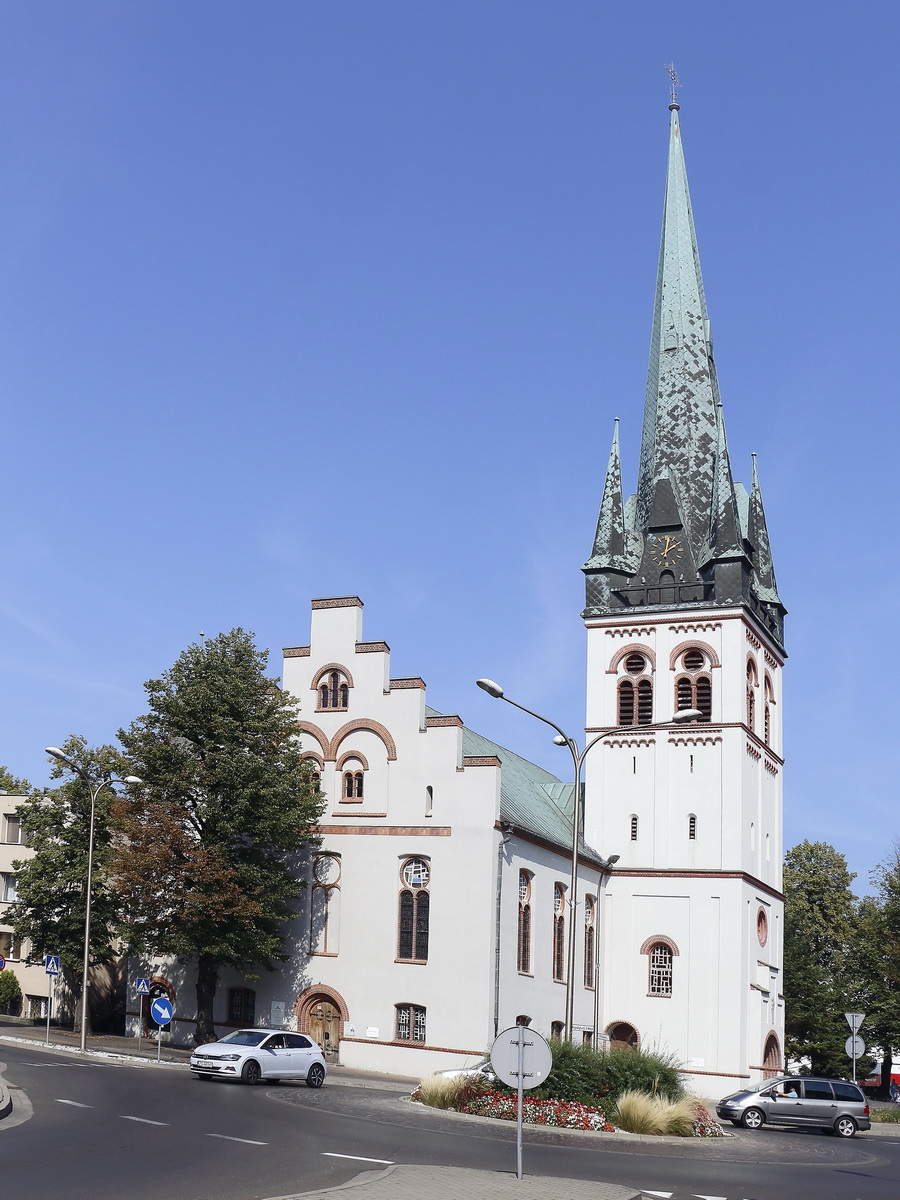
605 873
505 835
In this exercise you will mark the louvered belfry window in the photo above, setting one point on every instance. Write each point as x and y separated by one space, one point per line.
693 689
635 696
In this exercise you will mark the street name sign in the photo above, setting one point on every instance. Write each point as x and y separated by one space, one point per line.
51 964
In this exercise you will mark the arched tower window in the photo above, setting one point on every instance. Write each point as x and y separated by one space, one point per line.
523 953
692 828
660 983
634 828
324 909
635 692
414 911
559 932
333 690
590 917
751 695
693 686
767 719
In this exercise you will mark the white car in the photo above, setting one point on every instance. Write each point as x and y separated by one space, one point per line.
252 1055
482 1068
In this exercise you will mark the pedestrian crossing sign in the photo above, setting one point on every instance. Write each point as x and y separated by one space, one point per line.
143 987
51 964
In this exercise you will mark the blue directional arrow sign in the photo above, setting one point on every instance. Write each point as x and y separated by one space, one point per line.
161 1010
51 964
143 987
2 962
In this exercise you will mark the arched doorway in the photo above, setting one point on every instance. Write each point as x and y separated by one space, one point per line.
620 1033
321 1012
772 1057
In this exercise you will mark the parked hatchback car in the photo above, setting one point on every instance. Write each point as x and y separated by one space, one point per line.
799 1101
482 1068
255 1054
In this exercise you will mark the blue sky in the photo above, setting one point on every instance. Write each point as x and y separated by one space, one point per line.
305 299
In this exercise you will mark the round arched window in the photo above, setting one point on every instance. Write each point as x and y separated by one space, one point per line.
762 926
524 887
415 873
635 664
693 660
327 869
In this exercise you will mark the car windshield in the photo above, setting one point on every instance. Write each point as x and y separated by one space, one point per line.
244 1037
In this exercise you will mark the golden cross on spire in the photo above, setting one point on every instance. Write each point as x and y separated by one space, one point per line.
676 83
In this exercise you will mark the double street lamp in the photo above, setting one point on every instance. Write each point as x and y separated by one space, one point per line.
95 786
681 717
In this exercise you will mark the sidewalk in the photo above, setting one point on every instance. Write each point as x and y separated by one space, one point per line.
460 1183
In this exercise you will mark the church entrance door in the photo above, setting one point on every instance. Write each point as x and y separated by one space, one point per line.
325 1028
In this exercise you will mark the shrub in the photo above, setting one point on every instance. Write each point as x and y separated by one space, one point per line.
584 1074
439 1092
890 1116
640 1112
10 994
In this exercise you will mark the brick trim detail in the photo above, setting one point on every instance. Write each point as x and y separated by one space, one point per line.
637 873
624 651
693 644
655 939
399 685
384 830
481 760
413 1045
371 648
310 996
317 678
295 652
317 733
337 602
443 722
372 727
339 765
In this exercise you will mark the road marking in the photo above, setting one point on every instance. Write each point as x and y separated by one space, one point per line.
74 1103
664 1195
358 1158
143 1120
246 1141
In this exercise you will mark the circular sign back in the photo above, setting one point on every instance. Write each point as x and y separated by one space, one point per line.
537 1058
854 1046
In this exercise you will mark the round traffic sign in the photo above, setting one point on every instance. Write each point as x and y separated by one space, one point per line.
854 1047
161 1010
537 1058
2 962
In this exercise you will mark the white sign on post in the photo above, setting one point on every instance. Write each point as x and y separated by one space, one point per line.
855 1020
522 1059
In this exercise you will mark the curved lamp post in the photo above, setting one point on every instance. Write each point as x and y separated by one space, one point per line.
578 756
94 787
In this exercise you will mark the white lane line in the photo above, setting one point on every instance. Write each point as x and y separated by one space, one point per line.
74 1103
246 1141
358 1158
143 1120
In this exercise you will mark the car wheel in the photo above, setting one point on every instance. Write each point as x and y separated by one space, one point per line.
753 1118
251 1073
845 1127
315 1076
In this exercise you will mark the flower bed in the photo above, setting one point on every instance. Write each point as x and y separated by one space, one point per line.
706 1125
563 1114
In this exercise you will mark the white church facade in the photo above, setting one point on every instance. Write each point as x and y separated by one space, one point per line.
438 905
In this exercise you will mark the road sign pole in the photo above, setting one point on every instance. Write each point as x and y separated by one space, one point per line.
520 1072
49 1004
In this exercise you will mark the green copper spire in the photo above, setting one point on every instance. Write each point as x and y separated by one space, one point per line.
766 587
610 540
680 435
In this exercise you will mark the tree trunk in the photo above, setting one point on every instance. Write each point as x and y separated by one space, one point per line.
207 979
887 1067
72 982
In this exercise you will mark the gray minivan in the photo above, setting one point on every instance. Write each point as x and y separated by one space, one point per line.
799 1100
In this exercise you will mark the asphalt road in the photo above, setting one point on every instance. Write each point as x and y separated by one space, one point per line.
104 1131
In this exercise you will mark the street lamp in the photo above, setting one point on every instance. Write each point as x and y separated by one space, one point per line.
578 756
94 787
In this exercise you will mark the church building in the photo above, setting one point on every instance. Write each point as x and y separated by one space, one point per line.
439 905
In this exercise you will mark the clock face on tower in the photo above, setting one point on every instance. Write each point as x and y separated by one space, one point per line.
666 550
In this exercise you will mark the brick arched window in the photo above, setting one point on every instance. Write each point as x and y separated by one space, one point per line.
693 686
333 689
414 911
559 932
353 785
661 952
523 952
635 692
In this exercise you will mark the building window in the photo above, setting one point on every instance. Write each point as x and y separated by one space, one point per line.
767 720
590 913
693 689
556 1030
333 691
12 829
634 828
410 1023
429 800
751 698
522 1019
241 1006
524 930
692 828
414 911
635 696
7 888
559 932
762 927
325 905
353 785
660 969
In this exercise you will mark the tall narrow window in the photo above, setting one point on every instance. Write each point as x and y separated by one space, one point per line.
645 702
634 829
556 1030
241 1006
751 697
559 932
414 911
769 700
333 690
429 801
693 688
523 954
660 969
410 1023
325 911
692 828
353 782
635 695
590 914
626 703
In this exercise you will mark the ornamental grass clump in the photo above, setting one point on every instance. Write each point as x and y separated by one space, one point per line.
439 1092
641 1112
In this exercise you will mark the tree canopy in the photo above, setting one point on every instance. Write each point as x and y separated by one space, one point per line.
206 867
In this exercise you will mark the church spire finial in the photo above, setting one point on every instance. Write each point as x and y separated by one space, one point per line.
676 83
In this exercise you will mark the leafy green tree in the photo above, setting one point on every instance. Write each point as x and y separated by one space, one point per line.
51 886
877 963
13 786
207 860
10 994
819 933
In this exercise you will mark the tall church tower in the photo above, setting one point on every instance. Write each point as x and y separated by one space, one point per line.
683 611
